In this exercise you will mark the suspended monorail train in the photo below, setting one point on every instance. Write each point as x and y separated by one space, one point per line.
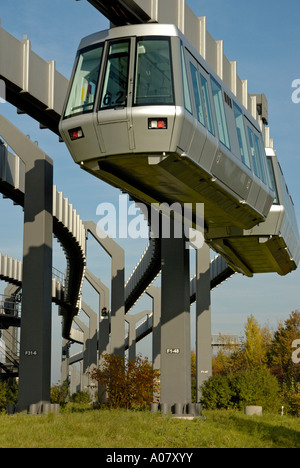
147 114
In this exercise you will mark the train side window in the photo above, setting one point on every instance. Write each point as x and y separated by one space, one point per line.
273 180
197 94
186 89
83 90
115 87
207 106
220 112
256 156
153 77
260 159
240 127
265 162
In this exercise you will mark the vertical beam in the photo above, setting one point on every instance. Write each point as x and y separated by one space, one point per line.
203 318
132 320
155 293
103 329
175 323
117 255
35 348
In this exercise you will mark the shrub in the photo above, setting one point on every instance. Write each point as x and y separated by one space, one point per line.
59 393
250 387
8 394
129 384
80 397
216 393
256 387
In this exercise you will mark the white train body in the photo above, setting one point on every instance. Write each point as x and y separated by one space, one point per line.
145 113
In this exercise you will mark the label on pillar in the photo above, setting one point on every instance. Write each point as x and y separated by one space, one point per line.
31 353
173 351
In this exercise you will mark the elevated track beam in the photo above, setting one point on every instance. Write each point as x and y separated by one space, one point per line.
121 12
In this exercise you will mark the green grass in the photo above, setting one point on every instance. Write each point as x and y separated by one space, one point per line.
128 429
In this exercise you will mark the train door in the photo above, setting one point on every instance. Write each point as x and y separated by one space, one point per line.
211 143
113 116
199 136
188 127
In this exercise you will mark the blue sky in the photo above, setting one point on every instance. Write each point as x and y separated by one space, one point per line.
263 37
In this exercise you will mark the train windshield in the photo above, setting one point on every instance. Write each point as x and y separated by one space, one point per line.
114 93
153 76
83 90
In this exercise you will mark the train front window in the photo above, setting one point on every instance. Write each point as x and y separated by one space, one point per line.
83 90
153 76
114 93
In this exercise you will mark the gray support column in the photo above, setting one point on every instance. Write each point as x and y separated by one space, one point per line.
104 321
132 320
35 347
85 363
74 379
93 335
117 333
175 324
155 293
203 318
65 363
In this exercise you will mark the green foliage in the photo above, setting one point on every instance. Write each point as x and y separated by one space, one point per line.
291 397
8 394
256 387
59 393
216 393
80 397
249 387
248 369
279 355
129 384
255 349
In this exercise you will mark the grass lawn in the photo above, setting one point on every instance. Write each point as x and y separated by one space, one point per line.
129 429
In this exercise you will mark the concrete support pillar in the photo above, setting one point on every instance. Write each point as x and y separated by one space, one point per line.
65 363
35 347
155 293
203 318
104 320
117 317
91 346
175 323
132 320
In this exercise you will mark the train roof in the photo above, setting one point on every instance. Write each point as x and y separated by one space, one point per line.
153 29
168 30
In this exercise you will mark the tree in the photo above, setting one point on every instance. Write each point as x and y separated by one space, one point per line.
256 344
251 354
280 352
